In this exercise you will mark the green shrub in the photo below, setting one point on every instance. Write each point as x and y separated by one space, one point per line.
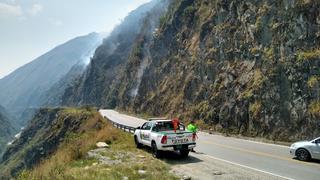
314 108
255 84
255 50
255 109
313 81
162 20
189 11
269 53
308 55
259 24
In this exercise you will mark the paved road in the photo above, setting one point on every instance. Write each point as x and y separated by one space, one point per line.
266 158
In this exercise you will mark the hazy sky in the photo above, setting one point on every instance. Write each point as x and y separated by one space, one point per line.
29 28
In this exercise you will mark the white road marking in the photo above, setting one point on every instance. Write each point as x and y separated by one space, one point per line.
252 141
266 172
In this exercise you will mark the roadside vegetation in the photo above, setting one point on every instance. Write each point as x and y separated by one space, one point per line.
120 161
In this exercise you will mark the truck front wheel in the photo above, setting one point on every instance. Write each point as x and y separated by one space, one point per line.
155 152
138 145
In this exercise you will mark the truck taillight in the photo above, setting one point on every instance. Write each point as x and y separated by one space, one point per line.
194 137
164 139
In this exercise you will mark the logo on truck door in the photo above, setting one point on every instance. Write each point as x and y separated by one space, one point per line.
145 136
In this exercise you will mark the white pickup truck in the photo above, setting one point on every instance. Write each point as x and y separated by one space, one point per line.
159 134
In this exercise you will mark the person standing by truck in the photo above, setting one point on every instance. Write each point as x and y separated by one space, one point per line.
193 128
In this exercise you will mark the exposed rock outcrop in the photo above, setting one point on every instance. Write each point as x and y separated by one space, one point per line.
249 67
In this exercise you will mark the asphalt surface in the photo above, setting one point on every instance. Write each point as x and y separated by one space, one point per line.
268 159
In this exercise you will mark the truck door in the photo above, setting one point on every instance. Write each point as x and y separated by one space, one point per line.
145 133
148 133
140 132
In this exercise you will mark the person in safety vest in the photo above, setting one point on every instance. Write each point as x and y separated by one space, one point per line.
193 128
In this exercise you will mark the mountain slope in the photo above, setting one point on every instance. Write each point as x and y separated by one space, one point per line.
94 87
7 129
61 144
251 73
22 88
52 98
42 136
245 67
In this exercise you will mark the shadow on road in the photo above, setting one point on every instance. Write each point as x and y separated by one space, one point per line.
312 161
175 158
316 161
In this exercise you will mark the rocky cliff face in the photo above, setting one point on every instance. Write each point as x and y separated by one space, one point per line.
43 135
248 67
94 87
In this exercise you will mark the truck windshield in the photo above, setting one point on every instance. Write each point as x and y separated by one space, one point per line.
167 126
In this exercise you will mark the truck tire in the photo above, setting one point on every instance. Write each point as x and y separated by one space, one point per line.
138 145
184 153
155 152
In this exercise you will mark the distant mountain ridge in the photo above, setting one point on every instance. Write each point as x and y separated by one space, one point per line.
23 88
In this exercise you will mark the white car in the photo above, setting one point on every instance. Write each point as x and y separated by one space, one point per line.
306 150
159 134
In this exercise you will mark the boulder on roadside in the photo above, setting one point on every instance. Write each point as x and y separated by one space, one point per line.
142 172
211 131
217 173
141 156
102 145
186 178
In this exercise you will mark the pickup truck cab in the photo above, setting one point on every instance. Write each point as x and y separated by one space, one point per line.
159 134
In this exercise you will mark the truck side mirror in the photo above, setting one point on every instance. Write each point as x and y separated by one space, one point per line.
138 127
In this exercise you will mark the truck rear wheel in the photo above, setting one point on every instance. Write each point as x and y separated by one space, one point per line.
184 152
155 152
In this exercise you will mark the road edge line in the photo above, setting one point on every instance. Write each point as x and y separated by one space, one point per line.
248 167
264 143
248 140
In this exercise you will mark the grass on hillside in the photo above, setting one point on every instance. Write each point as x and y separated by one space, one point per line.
71 161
